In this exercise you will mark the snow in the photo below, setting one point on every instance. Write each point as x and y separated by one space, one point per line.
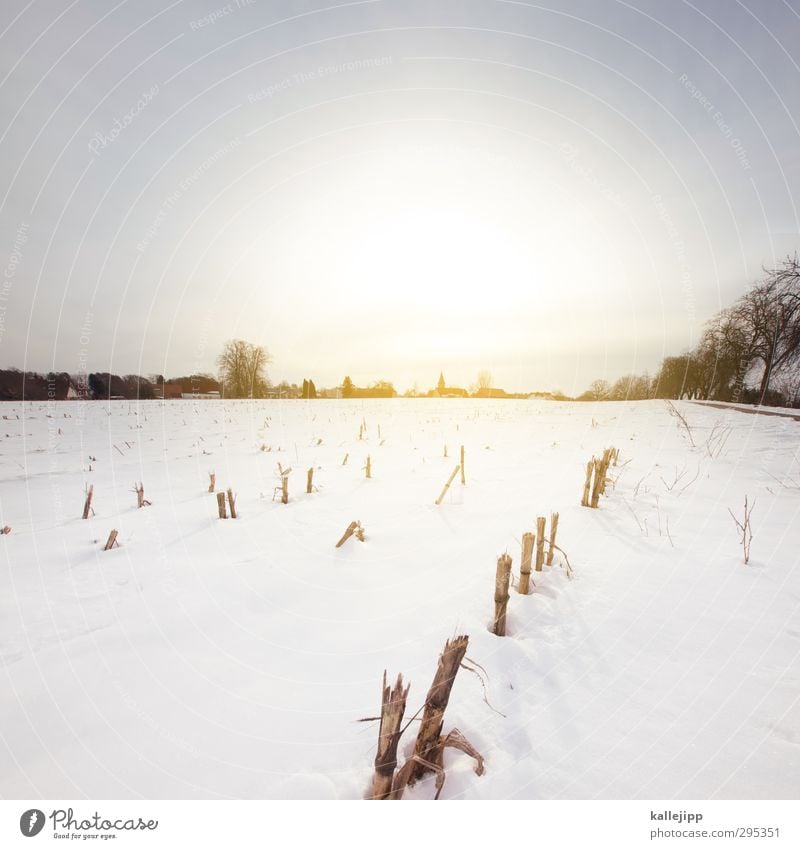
207 658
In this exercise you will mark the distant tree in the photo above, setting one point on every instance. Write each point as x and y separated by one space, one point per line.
98 388
724 355
631 387
348 389
673 377
241 369
484 379
381 389
441 385
309 390
598 390
196 383
769 318
138 387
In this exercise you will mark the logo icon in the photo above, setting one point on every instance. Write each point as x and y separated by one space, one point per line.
31 822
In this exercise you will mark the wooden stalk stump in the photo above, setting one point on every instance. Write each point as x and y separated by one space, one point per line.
141 501
353 529
285 489
368 467
393 707
587 484
212 480
111 541
600 472
232 503
344 462
87 504
595 499
447 485
607 458
541 523
501 582
463 479
435 705
309 480
553 532
223 513
525 563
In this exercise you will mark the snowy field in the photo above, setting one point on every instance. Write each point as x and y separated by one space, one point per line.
206 658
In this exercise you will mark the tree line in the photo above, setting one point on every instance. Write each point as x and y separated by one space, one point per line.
748 352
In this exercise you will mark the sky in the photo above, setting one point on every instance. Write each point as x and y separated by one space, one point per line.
554 192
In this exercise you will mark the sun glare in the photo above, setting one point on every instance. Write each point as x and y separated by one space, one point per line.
442 258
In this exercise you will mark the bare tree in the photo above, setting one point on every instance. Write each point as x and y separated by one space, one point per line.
683 376
762 329
631 387
484 379
241 369
771 313
724 356
598 390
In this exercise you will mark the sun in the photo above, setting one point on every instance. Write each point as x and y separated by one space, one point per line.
436 257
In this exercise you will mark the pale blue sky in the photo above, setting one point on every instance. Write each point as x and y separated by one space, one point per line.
555 191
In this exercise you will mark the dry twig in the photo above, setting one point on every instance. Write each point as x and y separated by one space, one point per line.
745 529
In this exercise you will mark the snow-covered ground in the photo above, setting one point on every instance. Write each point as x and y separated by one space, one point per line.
208 658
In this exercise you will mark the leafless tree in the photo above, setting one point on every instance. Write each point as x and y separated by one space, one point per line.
770 312
484 379
631 387
599 390
762 329
241 369
724 356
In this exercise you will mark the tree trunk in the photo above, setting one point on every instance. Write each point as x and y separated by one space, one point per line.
766 377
